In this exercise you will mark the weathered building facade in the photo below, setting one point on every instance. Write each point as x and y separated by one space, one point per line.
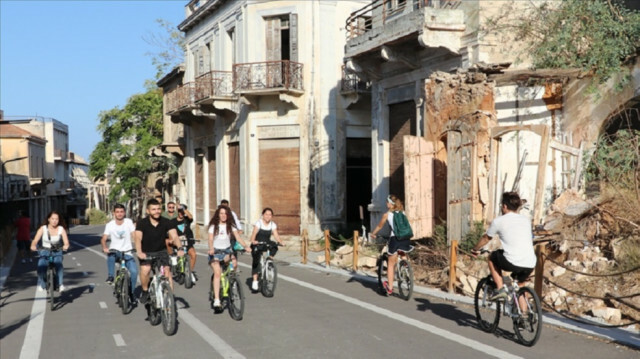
257 113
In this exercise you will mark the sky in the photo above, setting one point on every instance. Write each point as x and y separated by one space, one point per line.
70 60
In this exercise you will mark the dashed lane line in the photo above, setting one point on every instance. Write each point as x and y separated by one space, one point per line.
119 341
103 305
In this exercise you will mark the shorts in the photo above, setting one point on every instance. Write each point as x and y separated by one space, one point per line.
519 273
219 254
24 245
395 244
161 257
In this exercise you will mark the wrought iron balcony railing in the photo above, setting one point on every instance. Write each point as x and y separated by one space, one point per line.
269 76
352 83
214 84
180 97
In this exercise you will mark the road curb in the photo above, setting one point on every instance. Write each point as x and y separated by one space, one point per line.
628 337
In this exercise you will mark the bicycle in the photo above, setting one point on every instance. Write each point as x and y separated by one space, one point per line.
403 272
51 277
268 275
527 324
161 306
122 284
231 291
181 266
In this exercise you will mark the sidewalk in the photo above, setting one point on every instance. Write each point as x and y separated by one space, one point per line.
627 337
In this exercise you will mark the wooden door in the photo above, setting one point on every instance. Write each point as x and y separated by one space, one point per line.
213 198
280 182
402 120
460 164
419 186
199 177
234 178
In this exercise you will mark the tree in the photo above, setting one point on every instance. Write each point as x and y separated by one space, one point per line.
597 36
169 43
122 156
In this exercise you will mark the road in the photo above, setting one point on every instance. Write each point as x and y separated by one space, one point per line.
314 314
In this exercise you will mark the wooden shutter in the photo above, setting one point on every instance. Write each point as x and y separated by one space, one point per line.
213 199
200 215
273 39
293 37
460 163
418 184
234 177
402 118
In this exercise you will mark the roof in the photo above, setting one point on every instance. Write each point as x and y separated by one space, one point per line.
8 130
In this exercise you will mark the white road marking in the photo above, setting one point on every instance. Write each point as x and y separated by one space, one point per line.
119 341
79 265
219 345
103 305
33 337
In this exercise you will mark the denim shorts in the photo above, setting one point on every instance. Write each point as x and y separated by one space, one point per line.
219 254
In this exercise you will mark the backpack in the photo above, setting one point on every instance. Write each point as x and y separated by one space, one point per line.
401 227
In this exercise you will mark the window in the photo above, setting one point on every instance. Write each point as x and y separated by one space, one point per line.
282 37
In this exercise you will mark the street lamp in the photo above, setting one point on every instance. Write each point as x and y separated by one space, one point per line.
4 190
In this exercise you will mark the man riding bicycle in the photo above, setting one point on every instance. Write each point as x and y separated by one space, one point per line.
150 236
517 254
120 230
182 223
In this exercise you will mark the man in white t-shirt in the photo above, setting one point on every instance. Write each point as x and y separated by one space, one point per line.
120 230
517 254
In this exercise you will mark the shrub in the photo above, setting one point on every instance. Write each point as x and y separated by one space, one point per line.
96 216
473 236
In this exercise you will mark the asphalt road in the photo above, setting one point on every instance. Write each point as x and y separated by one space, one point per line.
314 314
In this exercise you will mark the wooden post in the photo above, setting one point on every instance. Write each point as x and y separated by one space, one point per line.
355 251
453 258
303 245
539 271
327 250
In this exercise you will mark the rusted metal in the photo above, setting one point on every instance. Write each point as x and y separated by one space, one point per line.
268 75
352 83
180 97
214 84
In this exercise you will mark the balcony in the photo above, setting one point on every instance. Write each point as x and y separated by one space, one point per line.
267 78
59 155
180 98
352 83
436 23
214 85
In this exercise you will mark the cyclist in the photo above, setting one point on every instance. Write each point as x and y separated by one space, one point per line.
393 204
120 230
51 232
262 231
517 254
182 223
221 229
239 226
150 235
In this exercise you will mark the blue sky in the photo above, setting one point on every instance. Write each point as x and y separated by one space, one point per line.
69 60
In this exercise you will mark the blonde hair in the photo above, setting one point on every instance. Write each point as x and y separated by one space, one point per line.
395 202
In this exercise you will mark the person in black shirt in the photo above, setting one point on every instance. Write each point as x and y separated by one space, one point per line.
150 236
183 226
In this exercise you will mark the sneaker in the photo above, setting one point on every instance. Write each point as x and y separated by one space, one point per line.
61 288
194 275
501 294
40 289
386 288
144 297
254 286
216 303
109 280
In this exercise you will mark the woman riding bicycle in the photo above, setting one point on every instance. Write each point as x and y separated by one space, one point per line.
52 232
221 228
517 254
394 204
262 231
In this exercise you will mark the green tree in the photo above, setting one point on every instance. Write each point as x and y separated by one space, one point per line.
597 36
169 45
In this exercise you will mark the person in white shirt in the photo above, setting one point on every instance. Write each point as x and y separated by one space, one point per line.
262 232
52 233
120 230
238 225
517 254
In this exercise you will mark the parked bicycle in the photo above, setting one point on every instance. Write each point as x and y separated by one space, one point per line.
51 277
522 305
230 291
268 275
403 273
181 266
122 284
161 306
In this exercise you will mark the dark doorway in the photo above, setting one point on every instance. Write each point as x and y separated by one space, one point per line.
358 182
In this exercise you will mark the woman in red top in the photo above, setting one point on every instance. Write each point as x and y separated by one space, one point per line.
23 236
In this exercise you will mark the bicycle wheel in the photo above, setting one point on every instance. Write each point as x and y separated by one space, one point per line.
528 326
405 279
382 273
153 313
168 310
236 299
117 289
125 297
178 271
51 287
487 311
269 278
188 281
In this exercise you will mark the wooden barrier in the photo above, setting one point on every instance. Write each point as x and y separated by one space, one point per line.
453 258
539 270
327 248
355 251
303 245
